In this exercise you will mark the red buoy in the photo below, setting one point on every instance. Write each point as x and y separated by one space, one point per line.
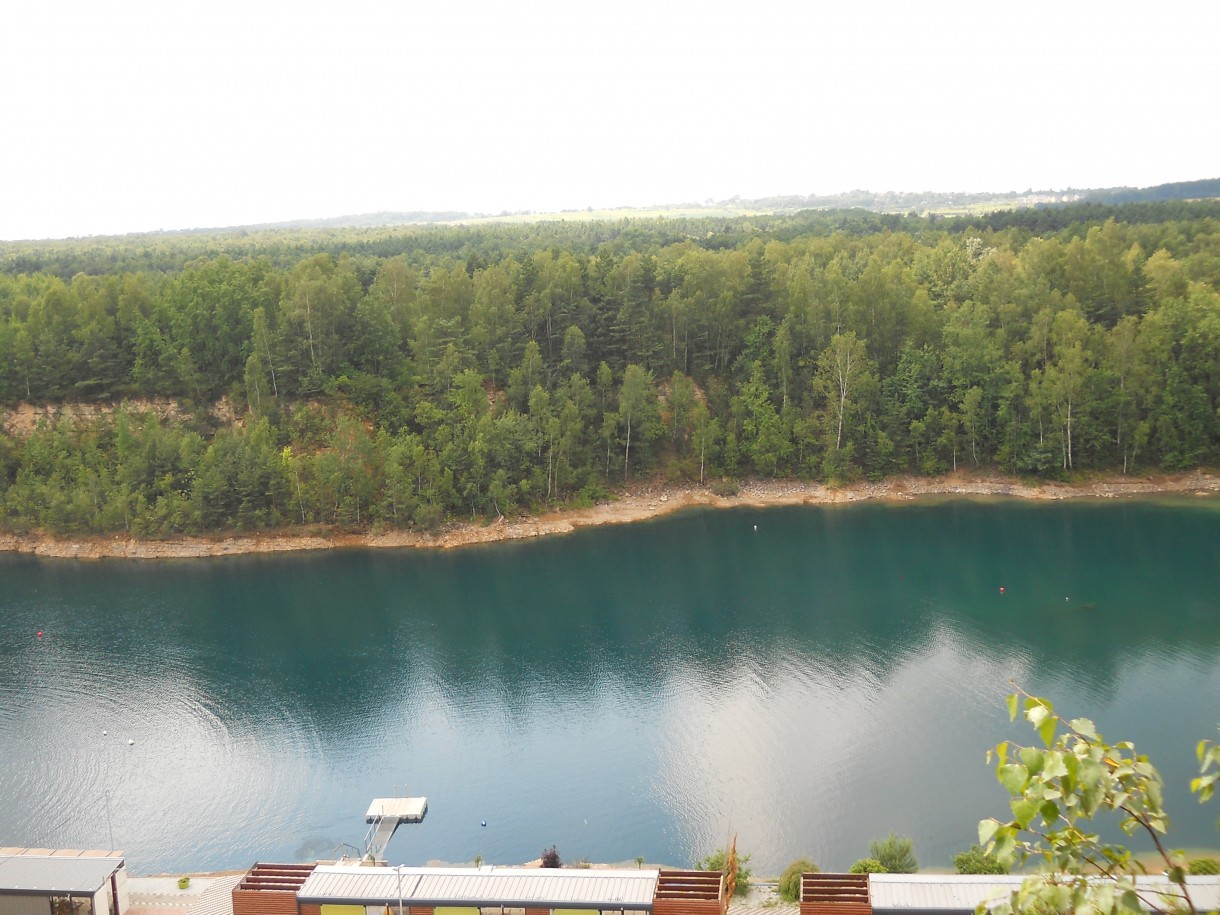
1001 590
40 633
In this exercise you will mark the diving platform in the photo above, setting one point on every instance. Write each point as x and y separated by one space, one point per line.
385 815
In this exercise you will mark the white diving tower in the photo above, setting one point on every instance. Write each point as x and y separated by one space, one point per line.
385 814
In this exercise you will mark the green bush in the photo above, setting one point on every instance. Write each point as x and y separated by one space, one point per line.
976 861
590 495
896 854
1204 866
725 488
719 861
429 516
184 882
790 880
868 866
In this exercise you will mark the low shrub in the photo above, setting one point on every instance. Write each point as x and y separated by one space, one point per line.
719 861
975 860
896 853
590 495
868 866
1203 867
429 516
790 881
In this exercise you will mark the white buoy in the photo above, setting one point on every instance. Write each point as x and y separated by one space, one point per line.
104 732
131 743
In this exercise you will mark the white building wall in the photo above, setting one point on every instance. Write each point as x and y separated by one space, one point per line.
120 879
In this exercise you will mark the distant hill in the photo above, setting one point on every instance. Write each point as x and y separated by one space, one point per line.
929 202
365 220
918 202
1000 208
1179 190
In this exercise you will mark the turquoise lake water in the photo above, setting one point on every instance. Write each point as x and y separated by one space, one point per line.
807 678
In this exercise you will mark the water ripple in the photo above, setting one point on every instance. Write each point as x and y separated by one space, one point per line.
810 686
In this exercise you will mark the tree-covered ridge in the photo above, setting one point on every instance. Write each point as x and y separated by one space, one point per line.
496 369
1178 190
170 252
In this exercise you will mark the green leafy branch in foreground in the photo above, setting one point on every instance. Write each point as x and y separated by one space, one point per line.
1209 771
1056 790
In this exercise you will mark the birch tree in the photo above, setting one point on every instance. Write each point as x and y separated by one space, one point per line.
844 370
1056 789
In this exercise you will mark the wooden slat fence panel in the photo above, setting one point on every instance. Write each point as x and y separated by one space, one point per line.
689 893
835 894
271 889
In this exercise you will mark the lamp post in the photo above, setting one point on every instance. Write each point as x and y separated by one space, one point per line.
112 772
109 825
398 871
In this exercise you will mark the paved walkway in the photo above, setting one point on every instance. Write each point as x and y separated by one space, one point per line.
211 895
763 899
747 907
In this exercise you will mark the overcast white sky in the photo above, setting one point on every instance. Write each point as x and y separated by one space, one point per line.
164 114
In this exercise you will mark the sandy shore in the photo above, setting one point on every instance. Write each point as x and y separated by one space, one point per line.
638 504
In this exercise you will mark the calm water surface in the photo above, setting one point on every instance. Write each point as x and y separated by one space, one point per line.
808 678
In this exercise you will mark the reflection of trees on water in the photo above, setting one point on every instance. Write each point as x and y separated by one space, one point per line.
793 656
333 635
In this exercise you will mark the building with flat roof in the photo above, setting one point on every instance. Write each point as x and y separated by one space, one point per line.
959 894
363 890
44 881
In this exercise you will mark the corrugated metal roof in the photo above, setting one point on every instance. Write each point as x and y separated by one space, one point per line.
962 892
937 891
55 874
508 886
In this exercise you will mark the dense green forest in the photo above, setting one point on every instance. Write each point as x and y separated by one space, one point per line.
401 376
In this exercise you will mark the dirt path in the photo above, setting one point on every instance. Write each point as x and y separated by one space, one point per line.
640 503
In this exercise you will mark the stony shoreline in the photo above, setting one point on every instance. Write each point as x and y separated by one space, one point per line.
639 503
